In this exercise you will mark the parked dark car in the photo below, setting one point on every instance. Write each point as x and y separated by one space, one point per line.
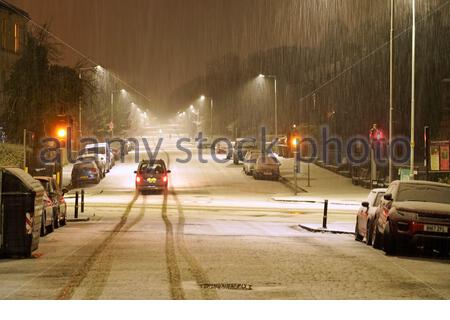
57 196
413 213
366 214
240 148
48 216
85 172
152 176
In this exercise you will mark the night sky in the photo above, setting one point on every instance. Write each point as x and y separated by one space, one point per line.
157 45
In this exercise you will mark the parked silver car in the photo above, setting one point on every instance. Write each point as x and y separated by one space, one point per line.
365 216
250 161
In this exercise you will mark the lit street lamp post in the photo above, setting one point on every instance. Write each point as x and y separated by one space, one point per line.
275 100
391 89
123 92
203 98
413 88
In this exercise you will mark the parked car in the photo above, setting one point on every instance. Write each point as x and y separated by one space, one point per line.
365 216
152 176
250 161
267 167
48 216
55 194
99 161
413 213
240 148
101 149
85 172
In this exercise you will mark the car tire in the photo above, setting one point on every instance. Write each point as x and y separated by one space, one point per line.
376 238
43 227
389 243
56 224
358 237
51 227
63 222
369 233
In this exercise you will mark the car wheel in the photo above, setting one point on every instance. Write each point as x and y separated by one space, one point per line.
63 222
376 238
389 243
43 228
55 218
51 227
369 232
358 237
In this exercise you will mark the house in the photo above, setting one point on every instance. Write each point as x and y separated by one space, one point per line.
13 28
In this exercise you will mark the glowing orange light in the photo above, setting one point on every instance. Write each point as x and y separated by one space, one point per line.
61 133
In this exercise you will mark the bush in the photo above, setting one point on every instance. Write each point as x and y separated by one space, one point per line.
11 155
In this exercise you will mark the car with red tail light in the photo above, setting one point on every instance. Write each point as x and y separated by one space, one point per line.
152 175
413 214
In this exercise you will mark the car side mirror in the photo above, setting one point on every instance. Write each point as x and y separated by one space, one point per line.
388 197
169 171
365 204
65 190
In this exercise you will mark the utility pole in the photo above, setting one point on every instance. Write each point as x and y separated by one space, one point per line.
25 150
413 87
276 106
112 114
391 90
212 108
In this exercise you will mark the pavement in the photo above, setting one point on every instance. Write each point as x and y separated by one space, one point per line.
216 233
324 185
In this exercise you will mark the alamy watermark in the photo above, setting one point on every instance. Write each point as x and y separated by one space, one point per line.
356 150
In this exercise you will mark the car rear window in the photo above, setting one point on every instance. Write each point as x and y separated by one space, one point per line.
151 167
424 193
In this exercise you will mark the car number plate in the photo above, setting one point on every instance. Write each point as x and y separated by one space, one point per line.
435 228
268 173
84 177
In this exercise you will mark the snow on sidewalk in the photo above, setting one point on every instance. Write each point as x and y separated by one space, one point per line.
325 184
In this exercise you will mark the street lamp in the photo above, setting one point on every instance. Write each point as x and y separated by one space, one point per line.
123 92
413 88
203 98
262 76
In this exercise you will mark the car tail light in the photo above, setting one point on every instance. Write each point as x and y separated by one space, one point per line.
165 179
138 179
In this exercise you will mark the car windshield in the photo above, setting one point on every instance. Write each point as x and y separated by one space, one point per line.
85 165
424 193
93 150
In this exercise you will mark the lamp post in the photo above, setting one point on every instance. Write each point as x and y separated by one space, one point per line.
123 92
203 98
391 89
413 87
275 99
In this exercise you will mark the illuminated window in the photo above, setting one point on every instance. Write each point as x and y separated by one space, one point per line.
16 38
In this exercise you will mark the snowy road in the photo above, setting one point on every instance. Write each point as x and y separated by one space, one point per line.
217 234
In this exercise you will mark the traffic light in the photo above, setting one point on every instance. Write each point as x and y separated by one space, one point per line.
61 133
375 134
59 128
